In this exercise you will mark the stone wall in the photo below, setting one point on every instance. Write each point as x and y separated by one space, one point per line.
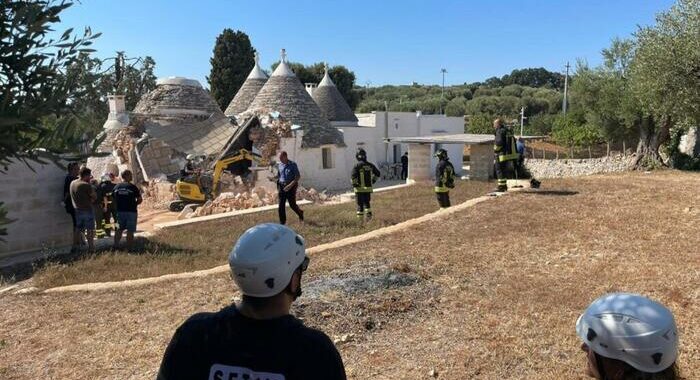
481 162
33 200
577 167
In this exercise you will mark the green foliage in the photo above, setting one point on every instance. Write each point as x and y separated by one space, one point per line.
456 106
480 123
665 71
572 131
233 58
32 84
343 78
541 124
93 80
534 77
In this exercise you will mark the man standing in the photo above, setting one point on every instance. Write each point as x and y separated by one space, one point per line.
107 187
72 175
505 151
82 197
126 197
256 338
404 166
287 184
363 176
444 178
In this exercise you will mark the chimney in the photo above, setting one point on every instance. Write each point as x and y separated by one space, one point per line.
310 87
117 104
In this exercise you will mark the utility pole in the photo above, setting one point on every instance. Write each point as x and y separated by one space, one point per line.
522 120
442 95
566 87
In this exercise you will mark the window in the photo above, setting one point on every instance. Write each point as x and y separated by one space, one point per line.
326 158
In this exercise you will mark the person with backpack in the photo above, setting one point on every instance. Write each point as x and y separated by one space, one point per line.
506 153
444 178
363 176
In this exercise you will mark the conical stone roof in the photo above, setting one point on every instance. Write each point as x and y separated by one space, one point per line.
250 88
177 97
284 93
331 102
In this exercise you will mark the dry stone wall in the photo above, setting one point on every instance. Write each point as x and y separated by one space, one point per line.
577 167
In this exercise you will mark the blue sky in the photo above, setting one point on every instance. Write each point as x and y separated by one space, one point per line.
383 42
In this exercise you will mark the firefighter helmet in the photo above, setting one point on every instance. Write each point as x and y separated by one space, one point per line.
630 328
361 155
441 154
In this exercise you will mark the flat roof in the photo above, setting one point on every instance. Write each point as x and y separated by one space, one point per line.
462 138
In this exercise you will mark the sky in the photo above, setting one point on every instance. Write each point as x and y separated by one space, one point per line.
382 41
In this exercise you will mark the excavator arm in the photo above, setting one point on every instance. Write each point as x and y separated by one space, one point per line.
224 162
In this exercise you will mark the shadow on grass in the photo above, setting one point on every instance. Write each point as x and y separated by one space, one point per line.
142 247
561 193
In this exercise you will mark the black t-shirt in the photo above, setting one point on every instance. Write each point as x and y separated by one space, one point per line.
228 345
125 195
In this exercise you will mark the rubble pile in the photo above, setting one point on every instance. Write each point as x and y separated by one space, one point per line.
123 143
267 139
256 197
158 194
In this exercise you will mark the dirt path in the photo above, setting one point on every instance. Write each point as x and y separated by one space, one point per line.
451 296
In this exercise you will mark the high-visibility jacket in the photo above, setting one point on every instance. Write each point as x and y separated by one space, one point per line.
504 144
364 174
444 176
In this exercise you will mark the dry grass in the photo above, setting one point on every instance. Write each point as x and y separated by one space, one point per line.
486 307
206 245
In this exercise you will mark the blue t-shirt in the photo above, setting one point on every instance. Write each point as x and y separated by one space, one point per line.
520 147
288 171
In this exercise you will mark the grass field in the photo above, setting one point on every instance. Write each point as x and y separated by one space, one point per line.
205 245
457 298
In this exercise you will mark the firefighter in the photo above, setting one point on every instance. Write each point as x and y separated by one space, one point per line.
506 153
364 175
444 178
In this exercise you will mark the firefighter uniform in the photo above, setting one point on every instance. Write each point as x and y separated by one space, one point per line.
444 178
506 155
364 174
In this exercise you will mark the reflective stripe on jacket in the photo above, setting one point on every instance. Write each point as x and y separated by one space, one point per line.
364 174
444 171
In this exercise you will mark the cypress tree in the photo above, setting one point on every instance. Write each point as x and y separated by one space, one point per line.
232 61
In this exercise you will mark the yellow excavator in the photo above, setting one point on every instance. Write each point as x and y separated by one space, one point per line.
200 188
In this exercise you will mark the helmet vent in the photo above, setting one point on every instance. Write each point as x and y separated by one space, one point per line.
657 358
298 240
591 335
270 282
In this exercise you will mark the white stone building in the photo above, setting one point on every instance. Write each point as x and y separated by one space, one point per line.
327 133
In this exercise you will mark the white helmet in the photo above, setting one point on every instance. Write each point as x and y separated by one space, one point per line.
265 257
630 328
191 156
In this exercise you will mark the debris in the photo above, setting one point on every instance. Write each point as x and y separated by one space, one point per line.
433 373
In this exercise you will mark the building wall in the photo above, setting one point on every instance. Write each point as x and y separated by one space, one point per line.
310 162
33 200
404 124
